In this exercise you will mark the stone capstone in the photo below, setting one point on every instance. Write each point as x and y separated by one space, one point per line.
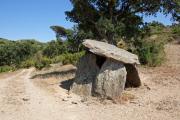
110 51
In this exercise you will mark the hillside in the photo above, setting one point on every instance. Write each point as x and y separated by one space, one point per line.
45 98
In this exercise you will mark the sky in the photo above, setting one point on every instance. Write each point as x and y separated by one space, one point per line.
31 19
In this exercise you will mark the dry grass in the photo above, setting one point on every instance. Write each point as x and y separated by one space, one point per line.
124 98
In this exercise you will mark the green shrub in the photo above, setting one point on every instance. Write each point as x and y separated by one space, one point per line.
38 60
42 62
54 48
39 65
68 58
28 63
6 68
176 30
12 53
151 53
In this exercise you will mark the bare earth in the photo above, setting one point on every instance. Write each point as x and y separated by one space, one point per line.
24 98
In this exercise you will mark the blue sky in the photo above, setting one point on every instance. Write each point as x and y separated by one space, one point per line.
31 19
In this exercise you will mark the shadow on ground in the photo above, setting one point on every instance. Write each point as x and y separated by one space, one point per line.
56 74
66 84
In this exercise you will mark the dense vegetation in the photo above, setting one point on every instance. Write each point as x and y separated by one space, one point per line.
117 22
113 20
120 22
29 53
12 53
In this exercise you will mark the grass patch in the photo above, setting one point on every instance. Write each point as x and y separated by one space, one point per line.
6 68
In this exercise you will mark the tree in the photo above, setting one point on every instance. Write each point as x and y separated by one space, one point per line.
61 32
115 19
74 37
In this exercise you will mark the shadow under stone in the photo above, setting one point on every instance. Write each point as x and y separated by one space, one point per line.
66 84
132 78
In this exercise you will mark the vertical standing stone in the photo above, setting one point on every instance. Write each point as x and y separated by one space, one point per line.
111 79
87 71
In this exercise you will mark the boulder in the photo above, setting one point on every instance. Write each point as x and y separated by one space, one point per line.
110 51
86 73
110 81
105 70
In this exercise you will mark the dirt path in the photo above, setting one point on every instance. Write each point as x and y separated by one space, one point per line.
23 98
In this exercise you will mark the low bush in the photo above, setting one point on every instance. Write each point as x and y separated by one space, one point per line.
6 68
39 61
68 58
151 53
176 30
54 48
42 62
28 63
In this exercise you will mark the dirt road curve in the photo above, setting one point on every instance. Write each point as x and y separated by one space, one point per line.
23 98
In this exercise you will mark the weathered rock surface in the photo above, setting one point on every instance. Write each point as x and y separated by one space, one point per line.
85 75
111 79
105 70
111 51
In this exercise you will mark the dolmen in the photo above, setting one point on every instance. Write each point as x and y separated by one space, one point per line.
105 70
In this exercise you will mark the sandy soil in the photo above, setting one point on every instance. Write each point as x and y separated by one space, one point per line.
24 98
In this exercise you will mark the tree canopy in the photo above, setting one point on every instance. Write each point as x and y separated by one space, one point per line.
115 19
74 37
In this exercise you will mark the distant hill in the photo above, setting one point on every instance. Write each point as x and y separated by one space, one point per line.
30 41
